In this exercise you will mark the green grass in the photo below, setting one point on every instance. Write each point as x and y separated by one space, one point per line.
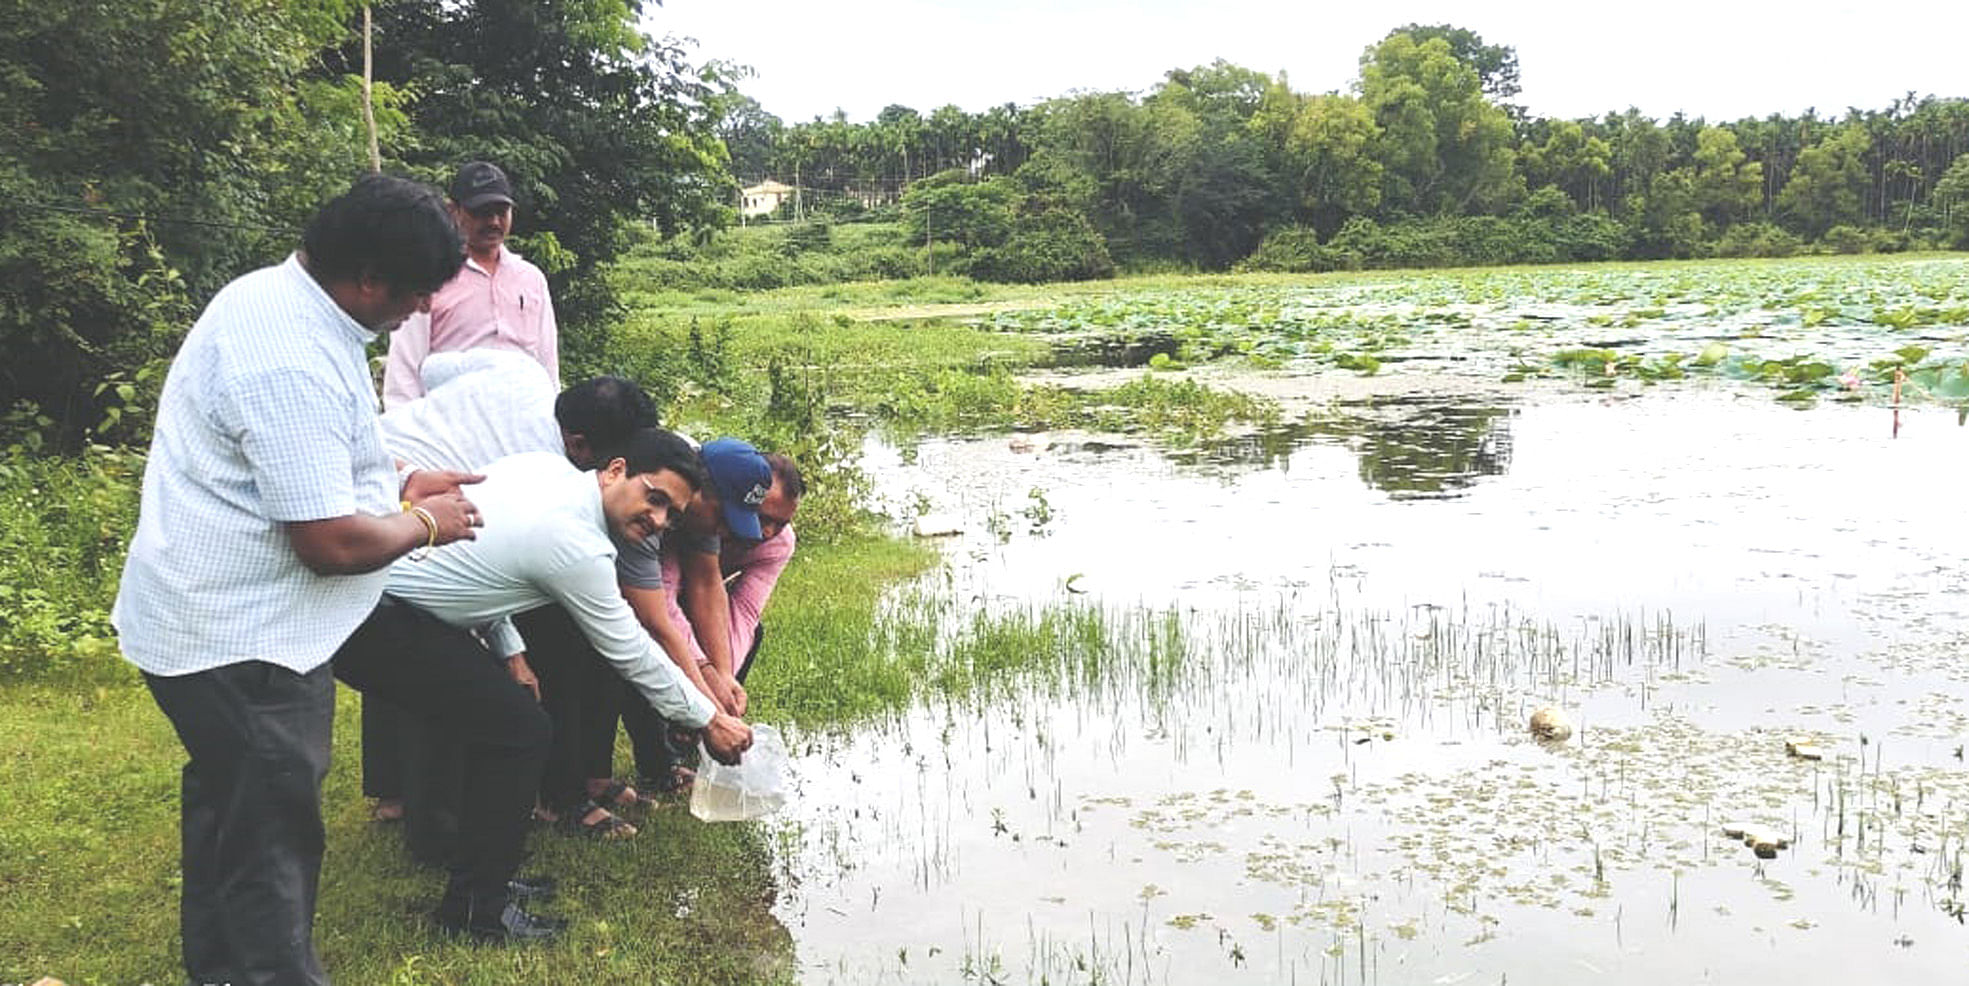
910 377
89 870
89 854
89 857
825 661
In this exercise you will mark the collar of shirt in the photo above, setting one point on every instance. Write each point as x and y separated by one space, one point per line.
505 253
358 333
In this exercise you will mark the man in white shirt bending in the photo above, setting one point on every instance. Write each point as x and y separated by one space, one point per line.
482 405
552 545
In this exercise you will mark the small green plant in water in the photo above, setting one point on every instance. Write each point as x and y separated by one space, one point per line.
1038 512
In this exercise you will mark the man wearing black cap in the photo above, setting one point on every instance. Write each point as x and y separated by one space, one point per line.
498 301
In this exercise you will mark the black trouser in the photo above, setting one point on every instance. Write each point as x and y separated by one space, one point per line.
580 691
649 733
421 767
257 736
383 744
446 680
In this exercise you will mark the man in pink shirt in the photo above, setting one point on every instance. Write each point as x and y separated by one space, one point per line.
497 301
718 569
731 575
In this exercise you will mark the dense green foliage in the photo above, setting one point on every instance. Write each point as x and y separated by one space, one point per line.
762 258
150 153
64 526
211 117
1213 161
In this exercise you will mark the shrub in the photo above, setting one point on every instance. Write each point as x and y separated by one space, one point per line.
817 234
1593 236
1892 241
1297 250
1057 244
1757 240
1403 244
65 524
1846 239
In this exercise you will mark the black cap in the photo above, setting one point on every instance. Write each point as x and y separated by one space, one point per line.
478 183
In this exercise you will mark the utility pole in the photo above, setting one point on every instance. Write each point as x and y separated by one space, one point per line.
369 93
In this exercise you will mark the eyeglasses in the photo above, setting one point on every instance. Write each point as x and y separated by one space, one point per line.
657 498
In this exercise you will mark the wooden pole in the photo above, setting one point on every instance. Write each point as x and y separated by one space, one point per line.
369 93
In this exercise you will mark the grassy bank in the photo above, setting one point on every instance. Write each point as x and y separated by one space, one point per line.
89 858
89 855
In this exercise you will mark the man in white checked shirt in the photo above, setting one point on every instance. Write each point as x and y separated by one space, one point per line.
268 520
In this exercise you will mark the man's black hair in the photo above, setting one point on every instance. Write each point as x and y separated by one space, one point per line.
651 450
605 411
788 473
392 229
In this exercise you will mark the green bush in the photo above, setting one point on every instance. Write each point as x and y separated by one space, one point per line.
817 234
762 258
1846 239
1055 245
1297 250
65 524
1892 241
1461 241
1593 236
1416 243
1757 240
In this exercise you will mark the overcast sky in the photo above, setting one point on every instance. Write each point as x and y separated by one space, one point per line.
1720 59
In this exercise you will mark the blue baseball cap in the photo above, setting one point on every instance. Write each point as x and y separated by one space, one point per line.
741 478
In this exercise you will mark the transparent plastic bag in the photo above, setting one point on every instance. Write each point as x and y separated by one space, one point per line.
755 788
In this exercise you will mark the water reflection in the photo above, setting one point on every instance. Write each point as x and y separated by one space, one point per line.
1283 736
1413 449
1409 448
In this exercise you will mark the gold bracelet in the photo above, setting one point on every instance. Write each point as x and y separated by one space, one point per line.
431 534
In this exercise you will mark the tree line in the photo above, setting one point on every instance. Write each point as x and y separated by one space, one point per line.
1425 160
150 152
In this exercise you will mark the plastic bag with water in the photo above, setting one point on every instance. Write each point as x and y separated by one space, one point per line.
755 788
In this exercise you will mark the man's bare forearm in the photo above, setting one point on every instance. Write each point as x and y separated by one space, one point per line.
709 609
651 609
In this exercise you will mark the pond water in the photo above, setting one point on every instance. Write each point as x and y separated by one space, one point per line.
1287 742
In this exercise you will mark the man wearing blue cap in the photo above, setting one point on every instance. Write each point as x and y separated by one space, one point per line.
702 593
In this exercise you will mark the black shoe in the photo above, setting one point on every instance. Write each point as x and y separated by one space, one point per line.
510 925
532 888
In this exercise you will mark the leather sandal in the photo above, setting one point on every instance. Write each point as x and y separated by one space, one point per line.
609 827
619 795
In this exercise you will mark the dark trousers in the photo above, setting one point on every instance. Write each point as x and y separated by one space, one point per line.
383 743
446 680
649 734
416 763
257 736
581 693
